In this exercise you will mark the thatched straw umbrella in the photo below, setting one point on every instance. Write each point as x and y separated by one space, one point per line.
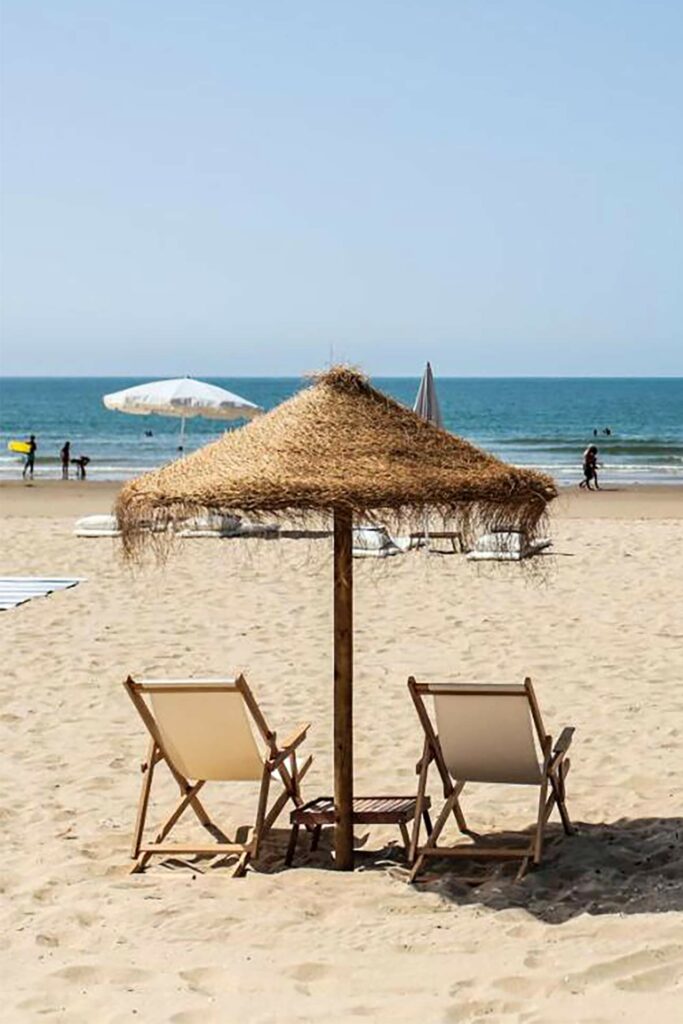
338 448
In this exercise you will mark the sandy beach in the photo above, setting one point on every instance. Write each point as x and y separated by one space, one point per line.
595 935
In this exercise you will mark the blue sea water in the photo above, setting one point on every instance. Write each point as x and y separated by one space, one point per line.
540 422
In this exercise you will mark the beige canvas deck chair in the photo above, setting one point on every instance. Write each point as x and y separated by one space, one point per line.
487 733
209 730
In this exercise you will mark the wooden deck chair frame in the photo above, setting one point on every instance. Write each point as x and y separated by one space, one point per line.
280 761
553 772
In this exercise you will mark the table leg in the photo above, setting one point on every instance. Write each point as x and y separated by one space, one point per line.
405 836
291 847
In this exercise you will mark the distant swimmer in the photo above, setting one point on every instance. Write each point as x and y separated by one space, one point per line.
607 431
148 433
80 463
30 457
65 456
590 468
595 433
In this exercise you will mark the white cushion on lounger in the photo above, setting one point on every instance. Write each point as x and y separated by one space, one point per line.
509 546
373 542
213 524
97 526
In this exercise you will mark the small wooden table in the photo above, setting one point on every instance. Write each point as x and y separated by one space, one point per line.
454 536
367 810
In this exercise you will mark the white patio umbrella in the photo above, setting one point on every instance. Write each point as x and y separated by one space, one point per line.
184 398
427 406
426 402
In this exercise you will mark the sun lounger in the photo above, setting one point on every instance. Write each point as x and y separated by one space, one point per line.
506 546
211 730
485 733
96 526
373 542
210 525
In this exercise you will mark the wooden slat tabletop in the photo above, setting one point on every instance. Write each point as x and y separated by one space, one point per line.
367 810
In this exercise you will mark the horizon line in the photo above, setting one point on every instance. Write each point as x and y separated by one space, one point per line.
307 374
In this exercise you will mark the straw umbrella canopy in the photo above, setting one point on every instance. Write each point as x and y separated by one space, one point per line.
339 448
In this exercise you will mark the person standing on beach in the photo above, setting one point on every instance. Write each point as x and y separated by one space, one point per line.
590 468
30 457
65 456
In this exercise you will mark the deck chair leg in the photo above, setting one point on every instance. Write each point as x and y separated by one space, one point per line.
435 833
148 772
168 824
139 864
195 803
540 826
291 781
447 790
523 867
557 782
241 866
261 812
416 868
457 809
420 809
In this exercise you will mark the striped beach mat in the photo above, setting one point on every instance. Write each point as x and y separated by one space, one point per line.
15 590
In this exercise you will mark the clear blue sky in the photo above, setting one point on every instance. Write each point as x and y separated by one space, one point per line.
244 187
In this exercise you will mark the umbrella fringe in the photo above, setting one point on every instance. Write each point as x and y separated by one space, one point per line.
339 445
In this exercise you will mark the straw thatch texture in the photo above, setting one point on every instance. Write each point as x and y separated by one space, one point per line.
339 444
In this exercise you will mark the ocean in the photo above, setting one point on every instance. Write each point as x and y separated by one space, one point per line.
541 422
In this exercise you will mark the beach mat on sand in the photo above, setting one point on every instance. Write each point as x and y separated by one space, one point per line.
16 590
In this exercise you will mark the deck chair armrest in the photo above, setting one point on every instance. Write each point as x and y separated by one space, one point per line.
564 740
290 745
296 737
429 756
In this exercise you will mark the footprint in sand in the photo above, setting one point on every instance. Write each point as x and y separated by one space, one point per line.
87 973
188 1017
309 971
516 985
472 1011
649 970
205 981
654 980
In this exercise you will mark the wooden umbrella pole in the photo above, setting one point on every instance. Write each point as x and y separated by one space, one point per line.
343 691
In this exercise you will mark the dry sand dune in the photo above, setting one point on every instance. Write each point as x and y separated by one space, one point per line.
595 936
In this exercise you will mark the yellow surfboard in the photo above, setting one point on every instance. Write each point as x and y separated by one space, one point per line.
21 447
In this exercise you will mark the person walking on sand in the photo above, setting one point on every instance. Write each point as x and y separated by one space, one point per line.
65 456
30 458
590 468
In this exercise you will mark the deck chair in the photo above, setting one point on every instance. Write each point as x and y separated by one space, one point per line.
211 730
487 733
